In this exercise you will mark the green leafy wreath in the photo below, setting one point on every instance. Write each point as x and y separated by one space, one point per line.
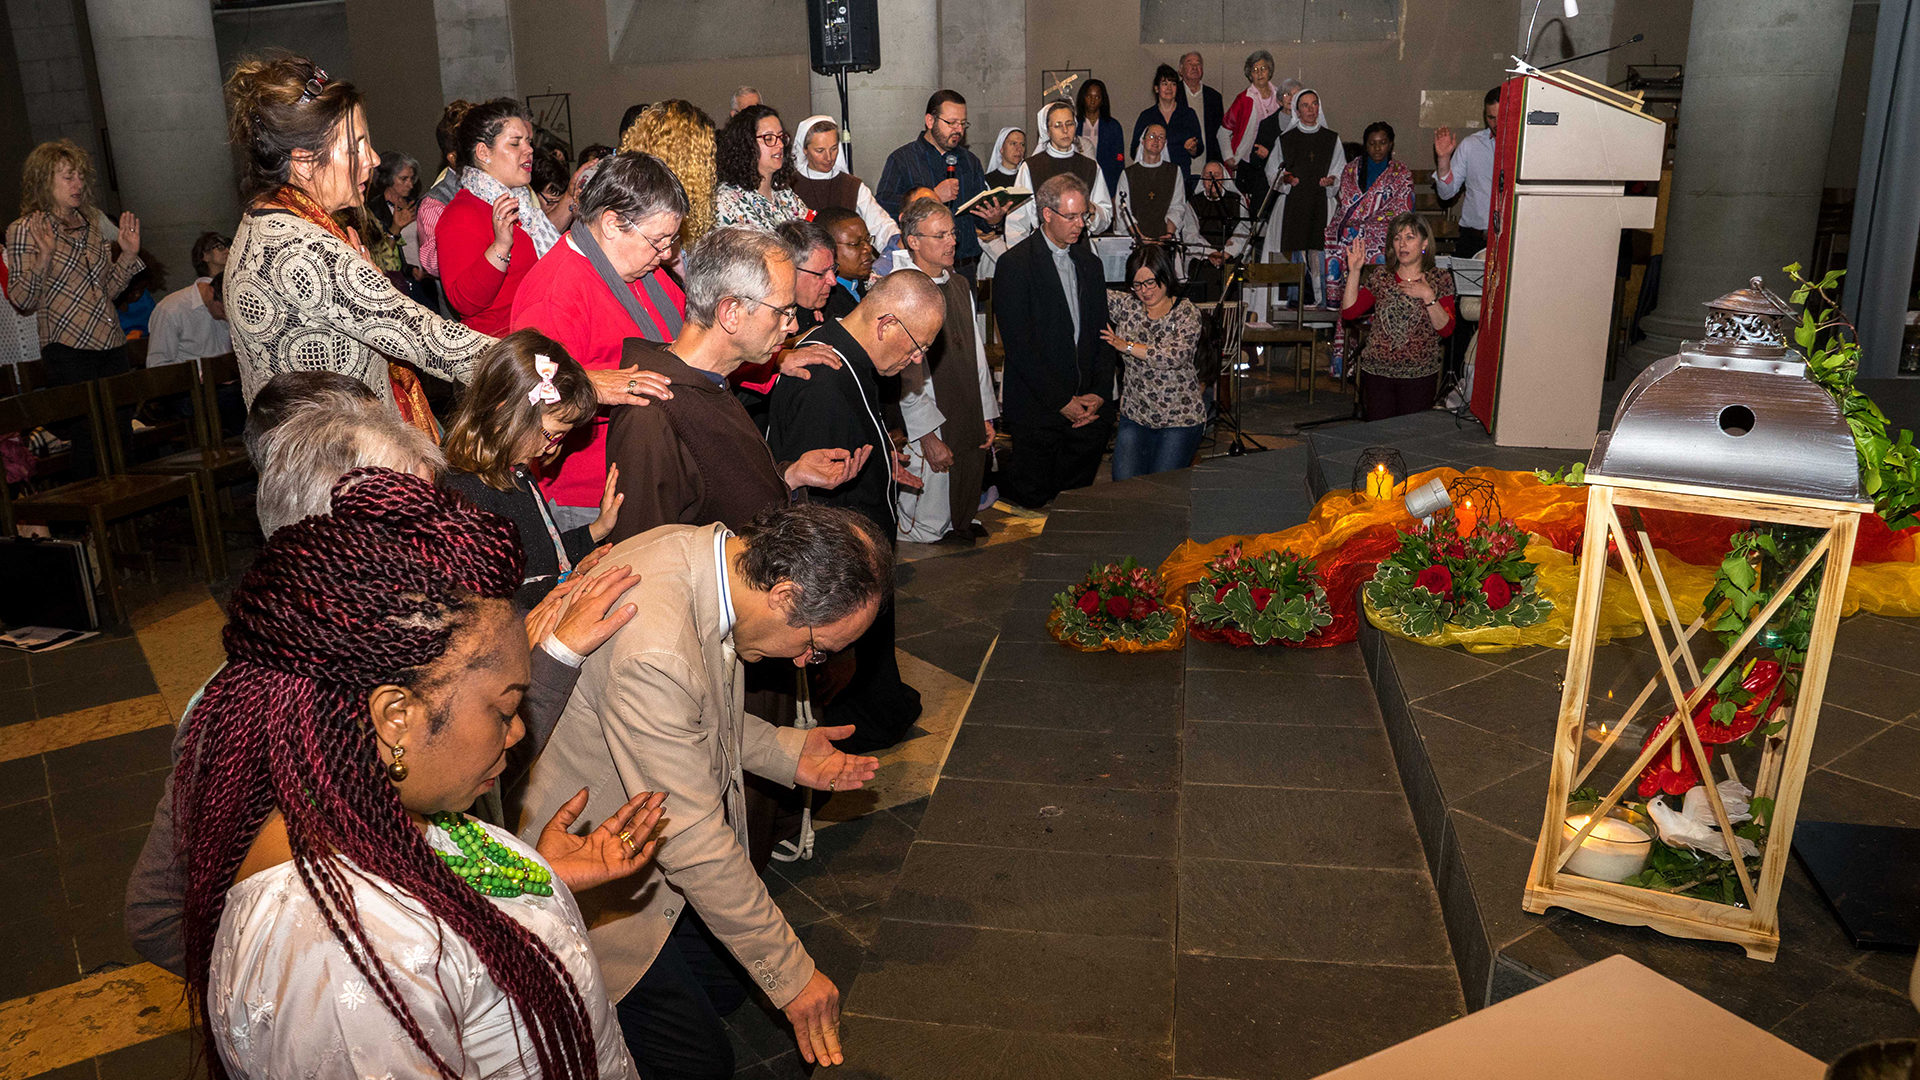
1439 579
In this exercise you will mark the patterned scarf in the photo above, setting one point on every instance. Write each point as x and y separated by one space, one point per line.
532 218
408 395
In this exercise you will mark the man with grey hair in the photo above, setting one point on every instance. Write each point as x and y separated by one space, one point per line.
1050 296
307 452
744 98
1206 104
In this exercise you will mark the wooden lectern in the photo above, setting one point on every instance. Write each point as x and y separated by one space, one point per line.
1563 151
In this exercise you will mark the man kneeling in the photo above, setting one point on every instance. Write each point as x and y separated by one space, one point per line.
659 708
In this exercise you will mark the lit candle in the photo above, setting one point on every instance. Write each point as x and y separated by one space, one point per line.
1614 851
1465 518
1379 484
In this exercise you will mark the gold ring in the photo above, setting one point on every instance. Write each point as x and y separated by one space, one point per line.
627 839
632 384
831 783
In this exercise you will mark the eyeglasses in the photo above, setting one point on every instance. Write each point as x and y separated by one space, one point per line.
1084 219
661 244
814 656
959 125
813 273
315 85
918 349
1147 283
1150 137
948 235
857 245
771 139
791 311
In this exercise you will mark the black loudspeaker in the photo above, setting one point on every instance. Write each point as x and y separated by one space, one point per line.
843 35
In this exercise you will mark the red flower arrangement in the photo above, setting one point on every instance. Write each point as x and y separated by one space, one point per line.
1118 606
1439 578
1256 600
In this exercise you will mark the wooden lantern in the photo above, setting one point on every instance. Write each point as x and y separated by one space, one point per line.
1729 427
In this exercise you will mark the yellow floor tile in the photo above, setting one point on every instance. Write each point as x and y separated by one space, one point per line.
909 770
84 725
97 1015
183 651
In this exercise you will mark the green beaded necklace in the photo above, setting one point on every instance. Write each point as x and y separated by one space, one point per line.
488 865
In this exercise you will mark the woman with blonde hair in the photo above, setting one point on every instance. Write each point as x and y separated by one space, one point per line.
681 135
61 266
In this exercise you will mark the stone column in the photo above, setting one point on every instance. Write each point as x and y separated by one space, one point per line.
476 49
50 48
1755 122
983 55
885 107
160 82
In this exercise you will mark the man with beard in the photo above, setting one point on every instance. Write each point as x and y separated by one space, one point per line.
938 159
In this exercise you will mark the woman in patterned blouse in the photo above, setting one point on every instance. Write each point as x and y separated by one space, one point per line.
756 179
1412 305
1162 412
301 291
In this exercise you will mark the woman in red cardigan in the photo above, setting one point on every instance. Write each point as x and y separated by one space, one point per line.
493 230
605 283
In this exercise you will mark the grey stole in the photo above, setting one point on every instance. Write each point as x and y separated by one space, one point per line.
669 315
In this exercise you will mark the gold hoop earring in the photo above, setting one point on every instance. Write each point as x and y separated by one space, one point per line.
397 769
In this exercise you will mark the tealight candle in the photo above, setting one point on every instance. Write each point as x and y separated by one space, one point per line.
1380 483
1465 518
1614 851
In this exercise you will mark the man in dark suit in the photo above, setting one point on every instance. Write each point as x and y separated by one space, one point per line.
1206 104
1050 296
894 324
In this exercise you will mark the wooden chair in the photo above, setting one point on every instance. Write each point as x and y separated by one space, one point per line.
216 466
1278 276
215 372
100 500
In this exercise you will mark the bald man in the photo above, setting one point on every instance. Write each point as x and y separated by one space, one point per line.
890 329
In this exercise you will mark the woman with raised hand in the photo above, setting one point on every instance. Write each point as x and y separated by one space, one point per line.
301 291
344 918
494 229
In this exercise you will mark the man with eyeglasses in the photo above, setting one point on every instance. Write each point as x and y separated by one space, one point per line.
938 159
889 331
1050 297
659 707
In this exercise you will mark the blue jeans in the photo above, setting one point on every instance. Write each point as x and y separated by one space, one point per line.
1139 449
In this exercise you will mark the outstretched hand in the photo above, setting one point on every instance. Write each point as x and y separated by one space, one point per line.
621 845
823 767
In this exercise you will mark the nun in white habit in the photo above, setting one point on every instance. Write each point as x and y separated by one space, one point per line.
1058 154
1305 168
821 160
1151 197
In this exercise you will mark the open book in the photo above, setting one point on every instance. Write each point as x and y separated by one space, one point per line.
1012 197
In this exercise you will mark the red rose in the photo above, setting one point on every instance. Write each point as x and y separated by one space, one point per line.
1437 580
1260 598
1499 591
1089 602
1220 594
1118 606
1141 609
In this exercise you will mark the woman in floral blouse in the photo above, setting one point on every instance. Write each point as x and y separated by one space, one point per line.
756 179
1162 413
1412 305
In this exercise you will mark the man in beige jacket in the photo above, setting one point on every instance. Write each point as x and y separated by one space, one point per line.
659 708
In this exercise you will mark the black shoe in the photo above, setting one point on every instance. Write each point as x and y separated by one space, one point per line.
977 530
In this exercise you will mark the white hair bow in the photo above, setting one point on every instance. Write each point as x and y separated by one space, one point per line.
545 393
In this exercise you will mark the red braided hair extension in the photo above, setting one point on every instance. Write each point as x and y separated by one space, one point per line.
334 606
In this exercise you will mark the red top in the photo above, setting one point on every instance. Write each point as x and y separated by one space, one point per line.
480 291
563 298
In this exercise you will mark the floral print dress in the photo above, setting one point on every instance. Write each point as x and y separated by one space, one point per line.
1162 390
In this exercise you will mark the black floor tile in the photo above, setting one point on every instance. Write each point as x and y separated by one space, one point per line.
27 827
1465 759
1058 663
1845 1014
34 880
1841 730
13 670
1893 642
855 863
1341 915
164 1058
1620 669
1146 710
910 814
89 691
92 762
100 938
1515 804
16 706
97 809
1505 703
881 1049
1890 693
1051 817
956 650
1073 984
1829 796
1281 698
1424 670
87 660
41 957
1890 759
1049 756
1334 660
1045 891
1289 1019
1343 759
22 780
1496 866
1288 825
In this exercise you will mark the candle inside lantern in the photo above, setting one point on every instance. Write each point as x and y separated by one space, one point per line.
1465 517
1614 851
1380 483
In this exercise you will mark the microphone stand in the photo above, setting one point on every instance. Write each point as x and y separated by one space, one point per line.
1233 276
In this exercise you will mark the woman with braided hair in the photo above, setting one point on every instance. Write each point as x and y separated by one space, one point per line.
343 918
